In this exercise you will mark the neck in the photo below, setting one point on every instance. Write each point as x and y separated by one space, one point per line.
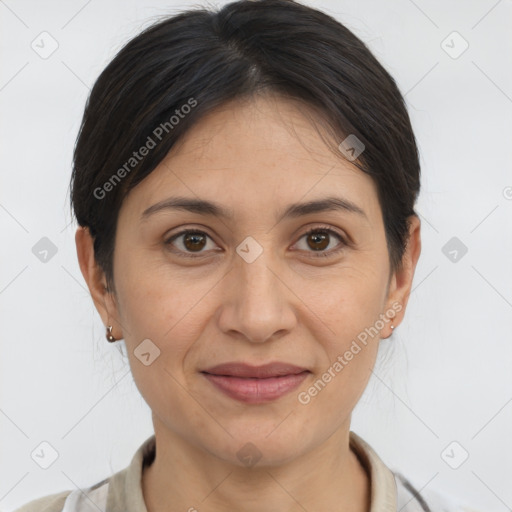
183 477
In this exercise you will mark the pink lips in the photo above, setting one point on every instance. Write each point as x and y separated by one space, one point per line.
256 384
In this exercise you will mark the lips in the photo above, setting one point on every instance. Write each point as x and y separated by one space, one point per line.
265 371
256 384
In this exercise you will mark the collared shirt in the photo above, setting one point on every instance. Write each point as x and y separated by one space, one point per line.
122 492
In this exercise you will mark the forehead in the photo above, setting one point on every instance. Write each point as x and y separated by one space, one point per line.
252 155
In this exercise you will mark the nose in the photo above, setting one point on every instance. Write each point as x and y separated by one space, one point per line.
259 304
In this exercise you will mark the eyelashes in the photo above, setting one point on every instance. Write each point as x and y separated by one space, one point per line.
324 232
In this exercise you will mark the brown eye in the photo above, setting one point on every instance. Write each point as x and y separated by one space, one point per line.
194 241
191 242
318 239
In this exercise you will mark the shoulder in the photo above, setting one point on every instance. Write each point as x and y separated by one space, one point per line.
410 499
50 503
120 488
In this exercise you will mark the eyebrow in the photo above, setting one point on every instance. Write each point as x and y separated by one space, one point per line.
204 207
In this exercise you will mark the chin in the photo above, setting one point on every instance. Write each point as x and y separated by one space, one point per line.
258 447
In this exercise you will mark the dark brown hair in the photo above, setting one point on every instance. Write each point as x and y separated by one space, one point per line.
174 72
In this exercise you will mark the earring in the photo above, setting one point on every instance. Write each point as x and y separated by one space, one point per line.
392 326
109 335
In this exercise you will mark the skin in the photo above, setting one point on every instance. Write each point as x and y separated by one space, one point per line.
254 157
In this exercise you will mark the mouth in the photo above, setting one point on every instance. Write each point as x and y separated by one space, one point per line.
256 384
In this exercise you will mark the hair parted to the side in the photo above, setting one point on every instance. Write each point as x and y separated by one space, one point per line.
203 59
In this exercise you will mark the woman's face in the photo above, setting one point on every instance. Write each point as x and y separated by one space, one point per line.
254 287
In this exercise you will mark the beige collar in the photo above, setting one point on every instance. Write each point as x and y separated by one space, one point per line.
382 480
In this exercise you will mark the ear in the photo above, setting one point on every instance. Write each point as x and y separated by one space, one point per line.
401 282
96 281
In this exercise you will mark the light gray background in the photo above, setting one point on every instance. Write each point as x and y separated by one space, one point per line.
445 374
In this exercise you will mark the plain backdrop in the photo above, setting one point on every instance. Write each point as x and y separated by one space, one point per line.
445 375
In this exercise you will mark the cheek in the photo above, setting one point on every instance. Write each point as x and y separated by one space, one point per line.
347 312
350 345
169 307
167 317
165 312
349 303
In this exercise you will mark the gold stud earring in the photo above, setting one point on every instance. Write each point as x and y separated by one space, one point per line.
109 335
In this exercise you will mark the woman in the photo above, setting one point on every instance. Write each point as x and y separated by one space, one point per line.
244 183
